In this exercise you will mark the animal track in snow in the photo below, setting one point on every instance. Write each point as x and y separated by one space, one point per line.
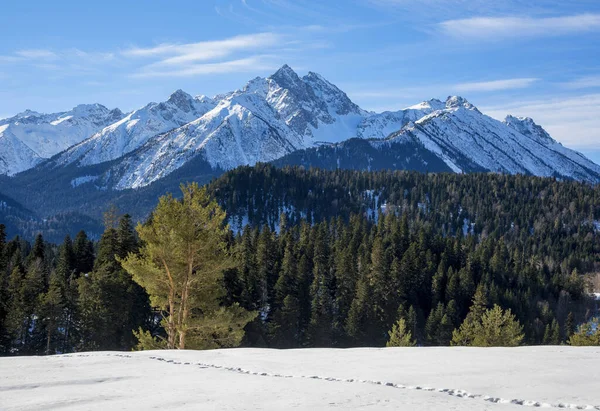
458 393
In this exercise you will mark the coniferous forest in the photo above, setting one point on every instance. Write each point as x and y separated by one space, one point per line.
333 259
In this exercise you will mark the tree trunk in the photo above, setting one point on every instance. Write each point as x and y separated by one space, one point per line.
184 310
171 329
183 322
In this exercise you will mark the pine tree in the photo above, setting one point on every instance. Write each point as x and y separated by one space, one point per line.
384 305
286 324
51 316
400 336
587 335
570 326
498 328
84 254
181 266
358 322
321 328
433 326
63 293
4 296
111 305
465 334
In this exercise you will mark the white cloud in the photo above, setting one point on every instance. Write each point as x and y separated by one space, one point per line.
233 66
573 121
37 54
583 82
495 85
428 90
174 54
478 28
234 54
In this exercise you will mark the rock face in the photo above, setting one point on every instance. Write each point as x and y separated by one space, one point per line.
304 120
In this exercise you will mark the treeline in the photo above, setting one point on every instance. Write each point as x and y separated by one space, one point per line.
333 259
75 297
531 208
345 284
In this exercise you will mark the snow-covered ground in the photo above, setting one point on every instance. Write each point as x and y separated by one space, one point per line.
247 379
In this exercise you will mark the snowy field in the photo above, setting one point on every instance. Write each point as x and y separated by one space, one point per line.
315 379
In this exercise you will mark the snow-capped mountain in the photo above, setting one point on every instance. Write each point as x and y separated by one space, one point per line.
285 116
30 137
383 124
137 128
267 119
468 140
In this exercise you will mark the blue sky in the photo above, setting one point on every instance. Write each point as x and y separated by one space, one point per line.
505 56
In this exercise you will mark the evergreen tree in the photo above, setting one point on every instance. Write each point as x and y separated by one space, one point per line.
84 254
4 296
570 326
587 335
400 336
465 335
321 328
111 305
181 267
498 328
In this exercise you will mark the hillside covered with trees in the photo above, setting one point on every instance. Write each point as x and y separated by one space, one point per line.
330 259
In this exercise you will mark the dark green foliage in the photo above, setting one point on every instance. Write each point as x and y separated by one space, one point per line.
360 154
111 304
325 265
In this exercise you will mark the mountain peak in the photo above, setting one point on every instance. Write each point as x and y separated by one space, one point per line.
285 76
529 128
432 104
285 69
178 95
458 101
181 99
204 99
89 109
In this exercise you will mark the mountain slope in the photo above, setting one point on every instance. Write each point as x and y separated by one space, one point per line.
468 141
285 119
267 119
274 117
29 137
135 129
371 155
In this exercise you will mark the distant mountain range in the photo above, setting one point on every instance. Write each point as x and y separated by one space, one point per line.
85 158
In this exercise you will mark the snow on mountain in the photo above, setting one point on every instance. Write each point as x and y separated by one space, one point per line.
242 129
137 128
529 128
383 124
272 117
468 140
30 137
265 120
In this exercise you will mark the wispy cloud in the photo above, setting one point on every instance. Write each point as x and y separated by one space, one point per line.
39 54
205 50
583 83
233 66
427 91
43 57
243 53
496 85
479 28
573 121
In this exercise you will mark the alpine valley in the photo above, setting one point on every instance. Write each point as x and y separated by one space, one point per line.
61 171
